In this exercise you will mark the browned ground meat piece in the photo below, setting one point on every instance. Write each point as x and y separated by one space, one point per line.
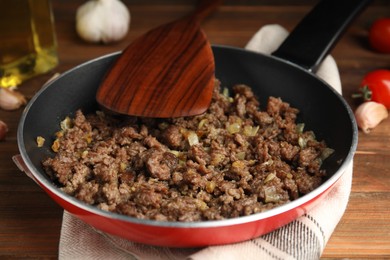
160 164
172 137
234 160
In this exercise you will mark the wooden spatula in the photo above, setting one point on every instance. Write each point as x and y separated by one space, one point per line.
168 72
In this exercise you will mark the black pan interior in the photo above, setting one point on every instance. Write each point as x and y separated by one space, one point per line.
322 110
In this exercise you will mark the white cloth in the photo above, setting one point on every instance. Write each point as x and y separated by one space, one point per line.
304 238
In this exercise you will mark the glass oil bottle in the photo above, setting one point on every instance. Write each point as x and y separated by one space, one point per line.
28 44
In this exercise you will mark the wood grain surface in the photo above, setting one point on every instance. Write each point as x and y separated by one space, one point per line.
30 221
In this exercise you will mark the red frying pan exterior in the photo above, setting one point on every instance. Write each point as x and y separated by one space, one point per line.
75 89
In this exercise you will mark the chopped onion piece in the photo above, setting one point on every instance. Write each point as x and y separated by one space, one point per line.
201 205
271 195
238 165
40 141
192 138
233 128
175 152
84 154
269 177
210 186
56 145
269 162
302 142
225 92
241 155
217 159
250 130
300 127
326 153
202 123
66 123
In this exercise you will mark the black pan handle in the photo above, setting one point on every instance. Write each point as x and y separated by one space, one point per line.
314 37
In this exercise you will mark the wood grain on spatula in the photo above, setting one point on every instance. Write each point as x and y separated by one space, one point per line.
167 72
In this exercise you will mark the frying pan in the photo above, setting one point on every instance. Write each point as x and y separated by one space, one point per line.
288 74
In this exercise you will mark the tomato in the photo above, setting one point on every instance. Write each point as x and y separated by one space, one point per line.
379 35
375 86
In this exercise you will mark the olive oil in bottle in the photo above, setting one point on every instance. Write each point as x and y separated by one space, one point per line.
28 44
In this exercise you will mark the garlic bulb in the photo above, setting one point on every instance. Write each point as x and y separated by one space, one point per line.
102 21
369 114
11 99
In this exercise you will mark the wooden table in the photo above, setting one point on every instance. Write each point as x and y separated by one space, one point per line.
30 221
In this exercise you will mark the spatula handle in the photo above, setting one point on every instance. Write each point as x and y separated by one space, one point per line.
314 37
205 8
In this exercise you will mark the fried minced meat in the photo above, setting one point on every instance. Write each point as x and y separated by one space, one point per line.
234 160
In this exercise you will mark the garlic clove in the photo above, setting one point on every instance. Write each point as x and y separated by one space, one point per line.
102 21
369 114
3 130
11 99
